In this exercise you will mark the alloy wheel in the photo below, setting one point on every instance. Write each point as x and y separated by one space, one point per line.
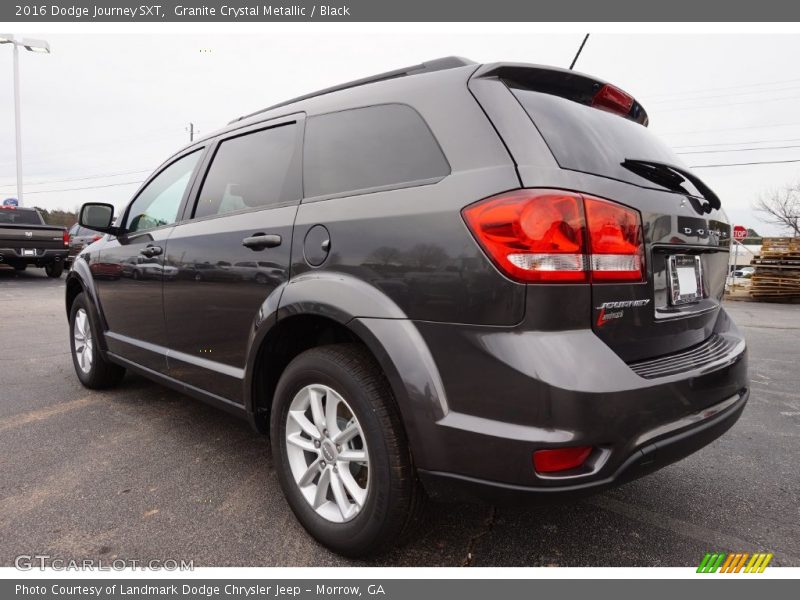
82 341
327 453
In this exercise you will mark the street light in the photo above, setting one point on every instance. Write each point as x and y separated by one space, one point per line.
31 46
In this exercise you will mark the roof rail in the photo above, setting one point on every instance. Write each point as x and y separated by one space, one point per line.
438 64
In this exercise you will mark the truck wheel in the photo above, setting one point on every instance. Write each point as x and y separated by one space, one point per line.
54 269
341 453
20 267
92 369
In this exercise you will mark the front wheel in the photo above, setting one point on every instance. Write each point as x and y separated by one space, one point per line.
54 270
341 454
92 369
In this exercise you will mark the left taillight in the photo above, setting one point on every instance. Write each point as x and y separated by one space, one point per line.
555 236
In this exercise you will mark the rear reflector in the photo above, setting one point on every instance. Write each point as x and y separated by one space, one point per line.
613 99
538 235
560 459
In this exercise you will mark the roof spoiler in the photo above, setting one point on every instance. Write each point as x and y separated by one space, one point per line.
570 85
438 64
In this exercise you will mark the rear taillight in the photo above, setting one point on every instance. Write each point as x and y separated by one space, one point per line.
556 236
615 236
66 238
613 99
95 238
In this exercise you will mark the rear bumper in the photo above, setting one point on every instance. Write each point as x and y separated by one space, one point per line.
43 257
705 427
501 393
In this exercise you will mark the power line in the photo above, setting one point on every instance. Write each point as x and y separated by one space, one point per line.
90 187
737 150
745 164
103 176
728 95
695 131
726 104
732 87
738 143
136 142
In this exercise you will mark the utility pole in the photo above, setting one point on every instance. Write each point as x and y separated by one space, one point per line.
18 125
574 60
30 46
190 129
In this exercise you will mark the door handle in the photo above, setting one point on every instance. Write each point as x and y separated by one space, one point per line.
151 251
259 241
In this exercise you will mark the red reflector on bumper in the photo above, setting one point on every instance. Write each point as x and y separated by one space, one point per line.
560 459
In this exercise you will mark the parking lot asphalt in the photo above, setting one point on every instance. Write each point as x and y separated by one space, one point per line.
142 472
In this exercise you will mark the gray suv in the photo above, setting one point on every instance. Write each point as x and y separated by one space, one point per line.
451 281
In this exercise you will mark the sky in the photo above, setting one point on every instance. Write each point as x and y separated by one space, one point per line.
105 110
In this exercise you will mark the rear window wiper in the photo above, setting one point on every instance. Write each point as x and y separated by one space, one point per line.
673 179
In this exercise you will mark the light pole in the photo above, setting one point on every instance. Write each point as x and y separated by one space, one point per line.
31 46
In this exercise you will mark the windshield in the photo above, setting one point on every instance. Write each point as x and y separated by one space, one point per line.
20 217
594 141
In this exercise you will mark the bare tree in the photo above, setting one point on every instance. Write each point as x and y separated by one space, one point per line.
781 207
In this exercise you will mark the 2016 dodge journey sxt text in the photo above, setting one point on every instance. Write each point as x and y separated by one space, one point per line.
450 281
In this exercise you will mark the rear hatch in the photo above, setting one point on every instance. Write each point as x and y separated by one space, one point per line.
685 232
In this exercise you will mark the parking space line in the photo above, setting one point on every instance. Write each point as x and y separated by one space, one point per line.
45 413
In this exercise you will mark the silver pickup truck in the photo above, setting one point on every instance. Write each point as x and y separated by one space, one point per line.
26 240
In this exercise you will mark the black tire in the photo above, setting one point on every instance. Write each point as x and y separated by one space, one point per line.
395 501
54 270
20 267
102 374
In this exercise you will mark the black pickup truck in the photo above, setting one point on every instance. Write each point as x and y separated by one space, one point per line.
26 240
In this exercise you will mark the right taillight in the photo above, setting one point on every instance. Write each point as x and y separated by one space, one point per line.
539 235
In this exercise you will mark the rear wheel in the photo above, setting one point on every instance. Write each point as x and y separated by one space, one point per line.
54 269
92 369
341 454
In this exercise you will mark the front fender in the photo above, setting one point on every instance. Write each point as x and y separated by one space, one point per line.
81 273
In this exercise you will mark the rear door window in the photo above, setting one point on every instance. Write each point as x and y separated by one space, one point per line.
370 148
593 141
253 170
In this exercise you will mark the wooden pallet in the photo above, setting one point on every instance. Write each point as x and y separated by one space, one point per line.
777 270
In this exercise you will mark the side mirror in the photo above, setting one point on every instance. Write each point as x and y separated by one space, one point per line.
97 216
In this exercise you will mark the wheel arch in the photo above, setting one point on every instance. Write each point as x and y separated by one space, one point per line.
318 309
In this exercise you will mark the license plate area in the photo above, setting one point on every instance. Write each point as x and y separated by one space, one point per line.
685 276
28 251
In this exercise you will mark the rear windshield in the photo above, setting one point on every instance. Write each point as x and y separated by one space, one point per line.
20 217
593 141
